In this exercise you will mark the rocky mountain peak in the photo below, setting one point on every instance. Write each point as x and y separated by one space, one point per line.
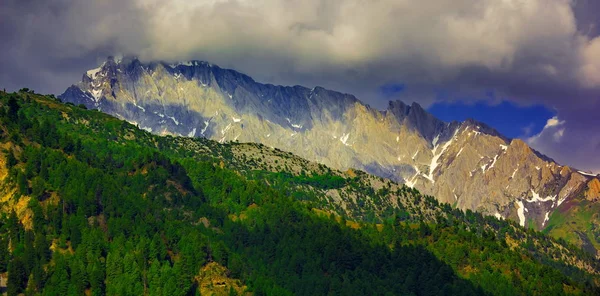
484 128
399 109
424 122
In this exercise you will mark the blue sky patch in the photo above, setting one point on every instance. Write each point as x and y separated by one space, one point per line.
391 89
509 119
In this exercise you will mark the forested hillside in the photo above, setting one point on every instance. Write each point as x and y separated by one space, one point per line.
93 205
466 164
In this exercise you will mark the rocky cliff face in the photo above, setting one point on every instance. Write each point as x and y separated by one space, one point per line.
467 164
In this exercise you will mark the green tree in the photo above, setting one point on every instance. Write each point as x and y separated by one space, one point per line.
17 277
11 160
13 108
22 183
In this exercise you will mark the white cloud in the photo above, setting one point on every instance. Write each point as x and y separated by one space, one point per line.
461 46
553 130
590 69
570 144
311 36
558 135
528 51
554 121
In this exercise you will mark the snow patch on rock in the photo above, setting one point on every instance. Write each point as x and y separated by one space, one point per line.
344 139
515 171
294 125
206 123
493 163
174 120
521 213
536 197
97 94
435 140
560 201
93 72
139 107
459 152
434 160
413 181
192 133
223 131
587 174
415 155
483 168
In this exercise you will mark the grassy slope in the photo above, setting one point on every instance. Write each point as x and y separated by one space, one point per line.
578 222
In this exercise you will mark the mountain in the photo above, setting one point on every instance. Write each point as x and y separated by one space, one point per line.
93 205
466 164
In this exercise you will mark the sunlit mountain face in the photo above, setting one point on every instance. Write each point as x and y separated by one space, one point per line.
466 164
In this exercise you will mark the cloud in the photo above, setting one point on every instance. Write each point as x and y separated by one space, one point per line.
590 69
574 142
526 51
553 122
351 45
553 130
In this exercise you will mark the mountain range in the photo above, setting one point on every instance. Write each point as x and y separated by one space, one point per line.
468 165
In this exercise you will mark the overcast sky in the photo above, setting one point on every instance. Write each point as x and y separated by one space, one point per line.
528 52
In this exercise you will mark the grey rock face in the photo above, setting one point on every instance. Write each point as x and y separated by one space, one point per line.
467 164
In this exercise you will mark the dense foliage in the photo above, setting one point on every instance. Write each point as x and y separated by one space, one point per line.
97 206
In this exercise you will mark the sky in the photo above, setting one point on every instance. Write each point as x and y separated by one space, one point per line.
530 68
511 120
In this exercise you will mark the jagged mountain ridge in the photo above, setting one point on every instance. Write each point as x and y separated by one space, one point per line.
466 164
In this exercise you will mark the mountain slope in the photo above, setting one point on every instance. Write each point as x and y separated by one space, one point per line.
112 209
466 164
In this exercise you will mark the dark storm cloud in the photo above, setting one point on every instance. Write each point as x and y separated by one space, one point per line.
586 13
46 44
526 51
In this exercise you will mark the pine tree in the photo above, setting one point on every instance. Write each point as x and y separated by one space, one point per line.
14 228
11 160
13 108
96 278
4 254
29 255
79 278
154 276
114 266
38 276
22 183
17 277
